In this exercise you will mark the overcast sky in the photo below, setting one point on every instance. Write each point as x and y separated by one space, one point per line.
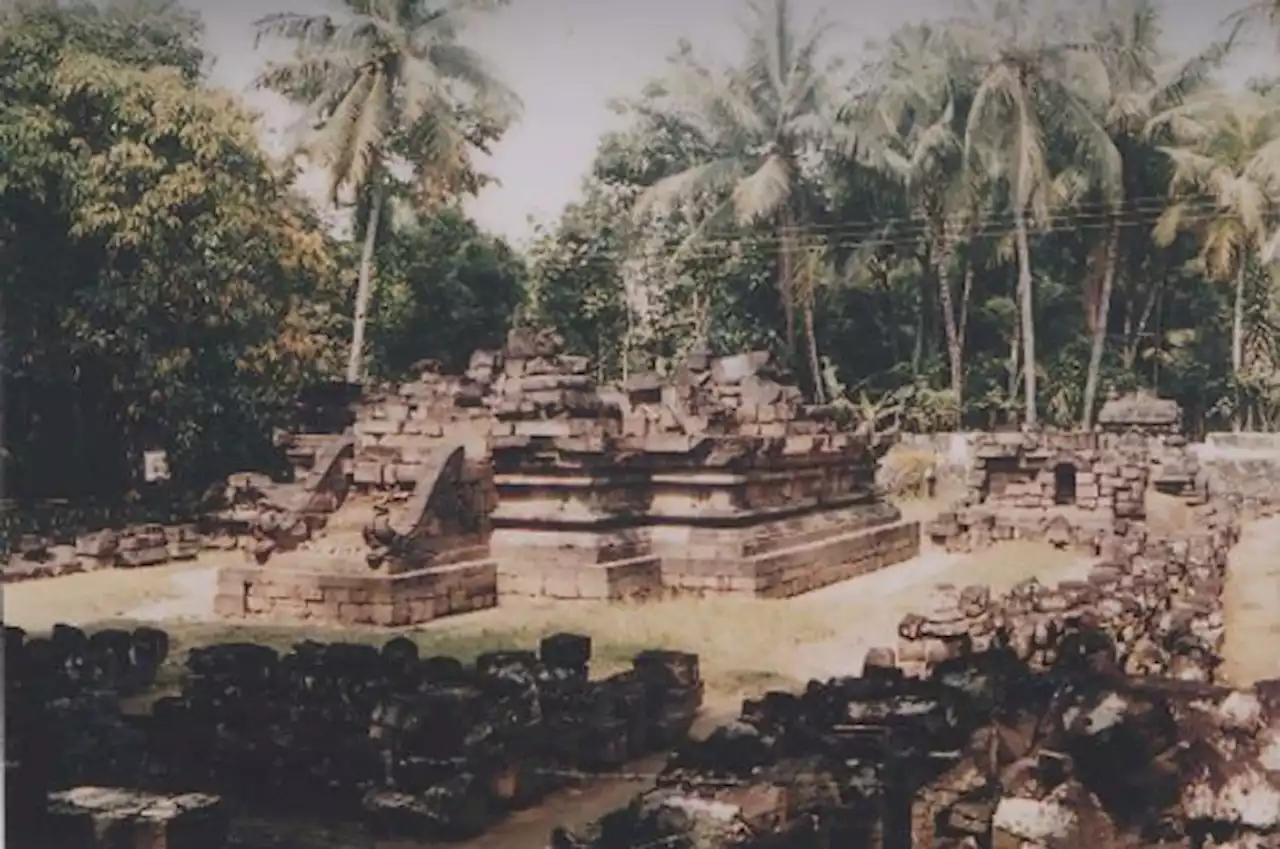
566 58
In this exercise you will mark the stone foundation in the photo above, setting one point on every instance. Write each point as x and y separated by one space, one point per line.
409 598
976 528
629 579
821 552
779 559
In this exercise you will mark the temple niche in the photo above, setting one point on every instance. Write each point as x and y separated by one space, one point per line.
524 478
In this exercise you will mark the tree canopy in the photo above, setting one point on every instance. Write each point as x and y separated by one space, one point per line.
985 219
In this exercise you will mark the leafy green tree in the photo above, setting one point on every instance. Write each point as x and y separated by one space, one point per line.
162 288
760 119
389 89
576 280
1229 152
445 289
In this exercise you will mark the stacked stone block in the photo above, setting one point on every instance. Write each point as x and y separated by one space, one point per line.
398 430
425 747
335 598
1013 491
42 556
984 751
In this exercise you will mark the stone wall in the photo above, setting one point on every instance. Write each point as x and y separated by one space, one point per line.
1064 488
43 556
1244 466
1018 470
338 598
1157 599
427 747
398 429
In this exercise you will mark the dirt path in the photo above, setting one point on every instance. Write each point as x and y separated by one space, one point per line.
864 613
1251 605
573 807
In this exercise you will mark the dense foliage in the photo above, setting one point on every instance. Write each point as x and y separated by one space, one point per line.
163 286
997 217
993 218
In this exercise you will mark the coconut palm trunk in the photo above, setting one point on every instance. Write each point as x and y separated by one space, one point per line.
364 289
1027 315
815 361
955 348
1098 343
786 277
1237 342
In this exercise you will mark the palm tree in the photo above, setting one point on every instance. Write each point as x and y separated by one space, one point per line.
917 140
1265 11
384 83
1026 90
761 117
1229 151
1133 92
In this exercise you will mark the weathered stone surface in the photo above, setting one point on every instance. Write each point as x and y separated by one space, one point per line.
110 817
348 730
984 749
1156 599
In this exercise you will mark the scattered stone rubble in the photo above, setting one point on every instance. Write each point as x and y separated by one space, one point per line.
1083 714
1158 599
425 747
984 751
34 555
109 816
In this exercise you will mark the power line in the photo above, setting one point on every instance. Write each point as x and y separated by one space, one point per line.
861 236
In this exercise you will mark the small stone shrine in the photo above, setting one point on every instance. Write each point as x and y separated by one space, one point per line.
386 522
1063 487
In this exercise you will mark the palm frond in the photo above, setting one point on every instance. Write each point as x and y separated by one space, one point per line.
713 176
717 99
1193 75
988 107
291 26
935 143
1169 224
764 191
458 62
1096 149
333 147
1264 166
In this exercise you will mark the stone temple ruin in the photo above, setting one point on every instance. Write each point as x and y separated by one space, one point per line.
524 478
1091 712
